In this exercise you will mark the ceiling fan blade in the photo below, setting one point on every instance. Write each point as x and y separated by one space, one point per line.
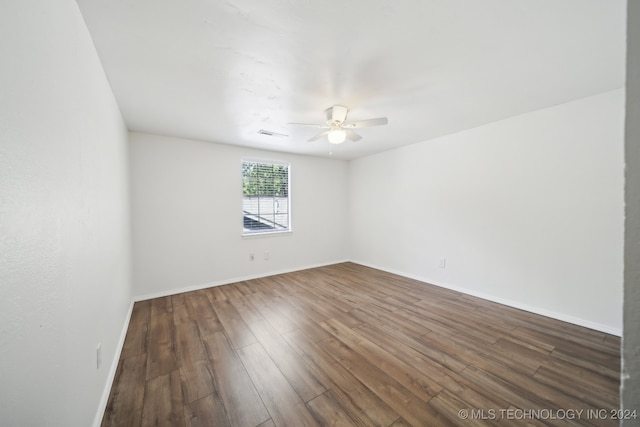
339 113
318 136
366 123
310 125
352 136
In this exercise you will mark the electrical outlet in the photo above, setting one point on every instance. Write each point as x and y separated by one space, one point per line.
266 256
252 257
98 356
442 263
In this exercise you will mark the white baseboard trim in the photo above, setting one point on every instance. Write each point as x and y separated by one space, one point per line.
515 304
112 370
231 280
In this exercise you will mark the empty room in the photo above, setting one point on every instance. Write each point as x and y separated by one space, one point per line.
296 213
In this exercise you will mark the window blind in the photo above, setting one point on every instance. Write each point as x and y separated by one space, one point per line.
265 197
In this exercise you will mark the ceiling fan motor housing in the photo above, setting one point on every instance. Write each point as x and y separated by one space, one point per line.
336 114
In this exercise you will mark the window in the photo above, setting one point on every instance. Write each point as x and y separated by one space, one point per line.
265 197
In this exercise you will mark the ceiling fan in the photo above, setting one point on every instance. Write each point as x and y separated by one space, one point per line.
338 130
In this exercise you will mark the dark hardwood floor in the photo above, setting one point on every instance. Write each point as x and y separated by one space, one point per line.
346 345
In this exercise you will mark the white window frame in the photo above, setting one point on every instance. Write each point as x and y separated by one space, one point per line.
266 233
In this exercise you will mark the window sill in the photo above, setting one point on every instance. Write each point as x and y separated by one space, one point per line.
268 234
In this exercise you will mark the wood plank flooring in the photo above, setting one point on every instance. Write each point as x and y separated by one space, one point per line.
346 345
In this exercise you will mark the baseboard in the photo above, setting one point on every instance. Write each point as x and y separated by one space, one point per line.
231 280
515 304
112 370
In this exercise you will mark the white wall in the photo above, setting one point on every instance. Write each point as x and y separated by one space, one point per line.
526 211
64 218
187 215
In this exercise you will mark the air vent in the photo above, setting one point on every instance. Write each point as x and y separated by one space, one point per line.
271 133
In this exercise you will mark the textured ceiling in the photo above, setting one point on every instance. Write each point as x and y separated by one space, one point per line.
222 70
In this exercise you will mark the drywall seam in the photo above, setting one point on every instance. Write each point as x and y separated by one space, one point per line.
532 309
102 406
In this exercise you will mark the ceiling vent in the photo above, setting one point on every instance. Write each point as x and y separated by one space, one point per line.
271 133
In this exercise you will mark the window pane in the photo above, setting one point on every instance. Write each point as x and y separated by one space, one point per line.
265 191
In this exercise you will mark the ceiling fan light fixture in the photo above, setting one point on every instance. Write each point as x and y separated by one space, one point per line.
337 136
338 130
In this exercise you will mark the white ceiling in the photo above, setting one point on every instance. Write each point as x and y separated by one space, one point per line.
222 70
